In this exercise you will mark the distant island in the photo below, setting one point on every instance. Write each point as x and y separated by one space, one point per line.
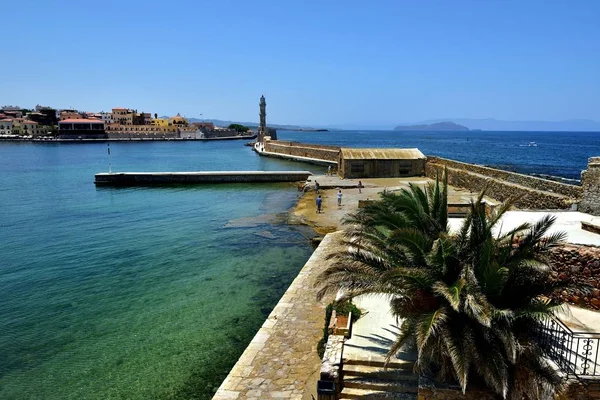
438 126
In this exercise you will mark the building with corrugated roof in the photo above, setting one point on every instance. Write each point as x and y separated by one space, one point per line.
380 163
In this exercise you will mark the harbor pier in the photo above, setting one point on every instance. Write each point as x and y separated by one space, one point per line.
198 177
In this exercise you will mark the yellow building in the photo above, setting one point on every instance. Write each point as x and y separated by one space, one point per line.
160 122
178 120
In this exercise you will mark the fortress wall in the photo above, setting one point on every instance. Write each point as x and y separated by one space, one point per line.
590 182
321 152
532 182
499 189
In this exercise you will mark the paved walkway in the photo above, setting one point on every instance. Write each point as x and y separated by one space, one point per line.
281 362
375 332
566 221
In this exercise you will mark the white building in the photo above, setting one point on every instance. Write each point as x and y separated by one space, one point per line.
106 118
6 127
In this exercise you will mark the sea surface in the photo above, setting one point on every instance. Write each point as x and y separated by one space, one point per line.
561 154
142 293
153 293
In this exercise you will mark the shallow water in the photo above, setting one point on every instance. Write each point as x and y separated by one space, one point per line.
134 293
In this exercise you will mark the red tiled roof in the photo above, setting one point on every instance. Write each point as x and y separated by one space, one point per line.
29 122
6 120
80 120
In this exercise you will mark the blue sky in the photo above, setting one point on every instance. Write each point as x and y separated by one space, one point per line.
317 62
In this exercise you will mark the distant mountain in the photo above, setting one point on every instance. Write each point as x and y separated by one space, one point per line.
490 124
437 126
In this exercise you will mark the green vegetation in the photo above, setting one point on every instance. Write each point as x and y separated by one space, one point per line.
341 308
470 302
239 128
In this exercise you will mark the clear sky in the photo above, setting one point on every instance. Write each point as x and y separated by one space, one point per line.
317 62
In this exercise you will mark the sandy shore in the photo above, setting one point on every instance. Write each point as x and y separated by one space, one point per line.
331 217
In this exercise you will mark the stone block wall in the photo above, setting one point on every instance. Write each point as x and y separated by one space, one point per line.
499 189
142 135
513 177
576 390
320 152
590 181
581 263
454 394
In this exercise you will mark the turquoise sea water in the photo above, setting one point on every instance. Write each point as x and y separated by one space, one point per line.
145 293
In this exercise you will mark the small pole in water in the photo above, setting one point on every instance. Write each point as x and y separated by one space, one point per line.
109 167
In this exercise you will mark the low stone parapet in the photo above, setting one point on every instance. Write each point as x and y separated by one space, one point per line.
531 182
590 181
499 189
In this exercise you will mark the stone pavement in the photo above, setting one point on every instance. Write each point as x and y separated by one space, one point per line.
281 362
375 332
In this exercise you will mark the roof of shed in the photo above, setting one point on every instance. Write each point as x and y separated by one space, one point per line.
382 154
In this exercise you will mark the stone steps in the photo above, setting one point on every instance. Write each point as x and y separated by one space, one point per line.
368 379
380 362
367 371
354 393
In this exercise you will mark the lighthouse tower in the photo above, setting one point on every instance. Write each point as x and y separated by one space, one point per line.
262 127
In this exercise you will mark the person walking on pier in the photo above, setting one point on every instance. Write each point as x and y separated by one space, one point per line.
319 202
329 170
339 197
317 186
360 186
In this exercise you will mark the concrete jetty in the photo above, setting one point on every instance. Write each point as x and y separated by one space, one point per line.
199 177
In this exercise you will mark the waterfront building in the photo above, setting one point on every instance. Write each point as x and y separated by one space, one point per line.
69 114
127 116
43 116
23 127
178 120
106 117
204 126
6 126
160 122
118 131
81 128
380 163
12 111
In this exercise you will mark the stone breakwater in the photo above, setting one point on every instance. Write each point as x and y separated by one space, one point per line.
191 178
303 150
528 181
582 264
281 361
537 193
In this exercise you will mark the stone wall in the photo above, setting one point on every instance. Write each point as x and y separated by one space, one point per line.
576 390
590 181
581 263
499 189
513 177
432 390
320 152
454 394
142 135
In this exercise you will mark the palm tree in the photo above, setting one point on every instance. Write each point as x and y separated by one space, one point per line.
470 302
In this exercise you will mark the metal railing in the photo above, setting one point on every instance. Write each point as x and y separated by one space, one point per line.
575 353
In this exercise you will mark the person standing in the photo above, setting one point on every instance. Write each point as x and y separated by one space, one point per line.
317 186
360 186
339 197
329 170
319 201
